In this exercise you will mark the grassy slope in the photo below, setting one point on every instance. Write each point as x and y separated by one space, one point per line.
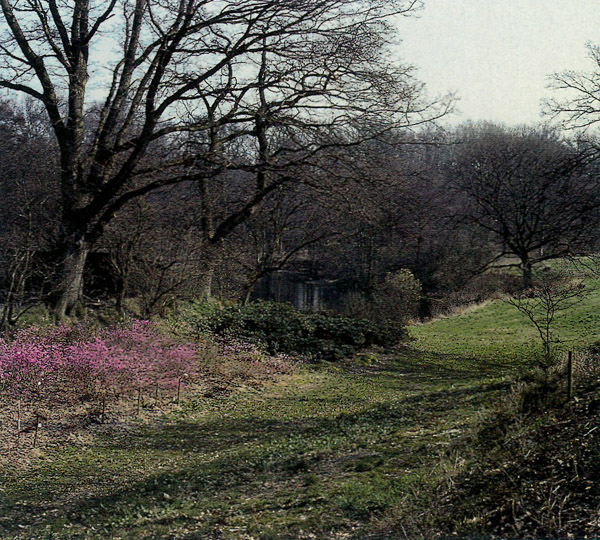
497 332
323 450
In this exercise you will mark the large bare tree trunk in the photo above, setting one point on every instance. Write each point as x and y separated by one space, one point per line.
205 288
208 274
248 290
71 277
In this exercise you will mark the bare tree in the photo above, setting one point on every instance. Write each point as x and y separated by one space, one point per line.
530 192
552 293
28 201
152 250
580 106
282 230
121 82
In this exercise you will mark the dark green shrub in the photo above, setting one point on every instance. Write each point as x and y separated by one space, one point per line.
280 328
541 391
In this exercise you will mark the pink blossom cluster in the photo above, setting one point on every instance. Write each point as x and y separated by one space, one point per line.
70 363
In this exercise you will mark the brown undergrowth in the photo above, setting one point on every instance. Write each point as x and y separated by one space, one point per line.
528 469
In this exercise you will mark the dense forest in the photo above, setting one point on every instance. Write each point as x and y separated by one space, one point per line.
215 146
448 206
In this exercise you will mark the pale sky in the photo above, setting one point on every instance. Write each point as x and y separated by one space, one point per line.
497 54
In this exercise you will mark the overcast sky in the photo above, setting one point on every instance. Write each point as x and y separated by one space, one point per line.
497 54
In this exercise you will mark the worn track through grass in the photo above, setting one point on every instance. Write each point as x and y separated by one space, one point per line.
321 452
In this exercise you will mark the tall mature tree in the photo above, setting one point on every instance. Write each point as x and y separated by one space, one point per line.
531 192
122 81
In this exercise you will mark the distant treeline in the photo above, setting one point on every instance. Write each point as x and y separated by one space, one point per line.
448 206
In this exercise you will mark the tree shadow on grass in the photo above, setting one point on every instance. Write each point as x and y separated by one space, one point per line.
450 367
229 458
235 453
218 433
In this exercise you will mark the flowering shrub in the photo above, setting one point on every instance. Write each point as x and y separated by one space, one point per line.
70 363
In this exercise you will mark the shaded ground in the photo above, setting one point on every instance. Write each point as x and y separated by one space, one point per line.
532 476
319 454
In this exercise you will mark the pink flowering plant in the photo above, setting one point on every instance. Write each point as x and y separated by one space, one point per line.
67 364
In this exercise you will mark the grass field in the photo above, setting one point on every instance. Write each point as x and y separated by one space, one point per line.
327 452
496 331
323 450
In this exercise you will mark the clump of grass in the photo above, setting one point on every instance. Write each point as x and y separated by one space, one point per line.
359 499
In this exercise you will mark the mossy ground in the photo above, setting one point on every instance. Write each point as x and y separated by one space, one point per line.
323 453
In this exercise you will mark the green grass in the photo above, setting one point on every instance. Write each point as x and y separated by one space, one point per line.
328 449
499 333
322 450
